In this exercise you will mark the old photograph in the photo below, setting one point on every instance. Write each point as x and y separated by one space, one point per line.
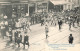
39 25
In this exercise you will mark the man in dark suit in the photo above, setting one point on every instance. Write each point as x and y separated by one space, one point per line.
70 25
42 22
16 36
26 41
60 23
71 39
78 20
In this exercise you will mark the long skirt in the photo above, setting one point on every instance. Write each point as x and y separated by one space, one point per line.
3 32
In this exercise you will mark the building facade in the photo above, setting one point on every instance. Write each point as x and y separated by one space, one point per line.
14 8
69 4
66 4
63 4
75 3
19 8
79 3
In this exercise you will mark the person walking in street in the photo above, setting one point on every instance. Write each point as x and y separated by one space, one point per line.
28 25
70 26
70 23
60 23
73 21
52 21
46 31
42 22
26 41
78 19
71 39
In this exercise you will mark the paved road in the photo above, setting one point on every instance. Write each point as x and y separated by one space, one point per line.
38 41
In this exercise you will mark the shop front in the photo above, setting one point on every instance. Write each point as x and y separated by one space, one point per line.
19 10
36 9
5 9
42 7
58 5
14 9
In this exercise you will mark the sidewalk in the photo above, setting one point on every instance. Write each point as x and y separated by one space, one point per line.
3 43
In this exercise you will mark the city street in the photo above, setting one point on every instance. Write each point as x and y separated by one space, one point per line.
39 25
38 41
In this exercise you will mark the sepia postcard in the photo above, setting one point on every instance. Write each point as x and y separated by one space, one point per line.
39 25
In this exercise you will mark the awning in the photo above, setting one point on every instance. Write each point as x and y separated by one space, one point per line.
9 3
4 2
59 2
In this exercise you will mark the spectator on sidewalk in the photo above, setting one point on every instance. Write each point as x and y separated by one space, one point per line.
13 24
3 33
6 25
16 36
10 32
71 39
19 40
17 25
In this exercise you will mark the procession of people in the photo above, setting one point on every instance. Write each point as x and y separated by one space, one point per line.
17 29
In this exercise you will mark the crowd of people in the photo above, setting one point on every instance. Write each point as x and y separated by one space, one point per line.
13 28
70 18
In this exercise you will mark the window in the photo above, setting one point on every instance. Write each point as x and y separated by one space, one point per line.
78 1
68 6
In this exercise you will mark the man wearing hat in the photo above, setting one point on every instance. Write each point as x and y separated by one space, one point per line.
26 40
2 26
71 39
60 23
46 31
6 24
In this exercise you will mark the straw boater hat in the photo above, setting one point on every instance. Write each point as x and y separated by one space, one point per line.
5 17
18 19
26 35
